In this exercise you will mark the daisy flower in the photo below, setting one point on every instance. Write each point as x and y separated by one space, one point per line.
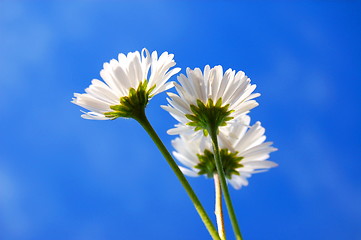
128 84
209 100
243 151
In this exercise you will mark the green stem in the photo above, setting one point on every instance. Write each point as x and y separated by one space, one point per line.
142 119
227 197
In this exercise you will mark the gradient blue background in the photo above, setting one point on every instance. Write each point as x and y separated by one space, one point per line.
63 177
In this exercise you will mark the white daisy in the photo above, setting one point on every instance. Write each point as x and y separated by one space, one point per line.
243 152
128 84
210 99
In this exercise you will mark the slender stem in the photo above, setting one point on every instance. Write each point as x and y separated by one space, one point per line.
227 197
218 207
142 119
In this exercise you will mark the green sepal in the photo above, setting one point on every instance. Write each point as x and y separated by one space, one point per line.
130 106
230 162
208 116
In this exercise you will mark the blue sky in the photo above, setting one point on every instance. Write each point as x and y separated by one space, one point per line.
63 177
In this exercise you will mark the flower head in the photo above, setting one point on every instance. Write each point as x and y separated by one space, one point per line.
243 151
129 83
210 99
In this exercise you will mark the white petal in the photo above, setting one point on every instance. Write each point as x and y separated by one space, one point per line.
238 181
261 164
188 172
184 160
